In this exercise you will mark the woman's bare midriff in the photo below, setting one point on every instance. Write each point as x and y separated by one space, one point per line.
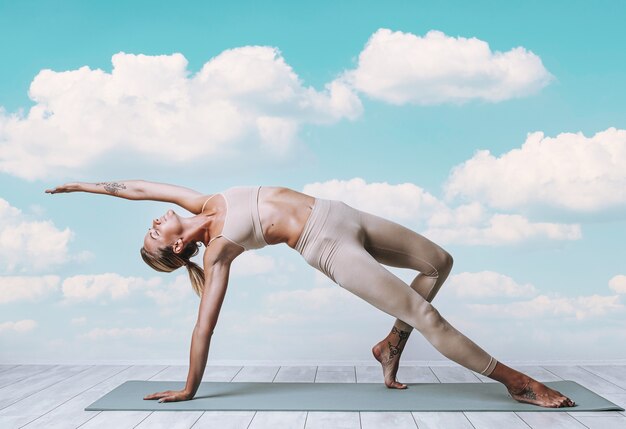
283 213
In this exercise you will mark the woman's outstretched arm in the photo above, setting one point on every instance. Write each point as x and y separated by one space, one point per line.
139 190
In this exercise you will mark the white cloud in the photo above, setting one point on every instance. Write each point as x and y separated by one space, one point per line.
618 283
169 296
28 244
27 288
325 304
147 103
109 285
580 307
252 263
78 320
404 201
569 171
20 326
147 333
410 205
487 284
402 68
503 229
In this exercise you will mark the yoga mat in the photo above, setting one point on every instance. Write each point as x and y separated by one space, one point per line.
341 397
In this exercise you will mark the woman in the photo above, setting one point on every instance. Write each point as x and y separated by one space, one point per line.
346 244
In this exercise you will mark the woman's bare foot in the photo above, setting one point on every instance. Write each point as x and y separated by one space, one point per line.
536 393
388 352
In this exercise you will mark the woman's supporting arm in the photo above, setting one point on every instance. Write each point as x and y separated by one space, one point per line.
216 282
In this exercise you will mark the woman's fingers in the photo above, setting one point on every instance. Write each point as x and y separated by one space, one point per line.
168 399
57 189
158 395
170 396
66 187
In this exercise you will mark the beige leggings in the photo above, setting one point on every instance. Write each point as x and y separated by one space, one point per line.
349 246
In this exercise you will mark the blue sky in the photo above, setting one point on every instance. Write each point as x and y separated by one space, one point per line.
303 95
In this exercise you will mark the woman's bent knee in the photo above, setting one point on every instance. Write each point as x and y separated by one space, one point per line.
448 261
441 264
444 262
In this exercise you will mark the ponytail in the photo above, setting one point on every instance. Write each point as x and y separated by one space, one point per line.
167 261
196 276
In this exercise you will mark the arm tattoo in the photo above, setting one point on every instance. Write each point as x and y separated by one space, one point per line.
112 187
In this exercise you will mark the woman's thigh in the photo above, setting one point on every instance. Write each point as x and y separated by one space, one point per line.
398 246
360 273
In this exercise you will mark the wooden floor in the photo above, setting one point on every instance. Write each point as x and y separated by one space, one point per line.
54 396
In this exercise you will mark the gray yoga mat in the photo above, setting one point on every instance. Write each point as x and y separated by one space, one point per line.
341 397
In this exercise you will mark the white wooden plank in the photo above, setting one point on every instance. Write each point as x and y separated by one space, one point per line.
416 374
454 374
12 393
10 421
116 420
406 374
278 419
537 372
296 374
581 376
256 373
335 420
613 422
211 373
17 373
390 419
5 367
170 420
335 376
335 368
616 374
33 406
369 374
220 372
495 420
224 420
594 413
618 399
534 371
72 414
172 373
539 420
440 419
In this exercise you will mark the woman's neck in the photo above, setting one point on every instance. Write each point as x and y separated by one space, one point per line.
197 227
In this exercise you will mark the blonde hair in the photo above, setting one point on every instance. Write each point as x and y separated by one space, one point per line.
167 261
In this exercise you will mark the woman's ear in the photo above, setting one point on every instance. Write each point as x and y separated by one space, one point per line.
178 246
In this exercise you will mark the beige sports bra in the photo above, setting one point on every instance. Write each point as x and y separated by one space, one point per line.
242 224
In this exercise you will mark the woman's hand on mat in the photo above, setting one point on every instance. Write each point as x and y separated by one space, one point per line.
170 396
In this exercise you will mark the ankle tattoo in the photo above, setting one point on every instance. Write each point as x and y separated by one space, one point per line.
396 349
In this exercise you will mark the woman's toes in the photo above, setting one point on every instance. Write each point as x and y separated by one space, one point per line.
396 385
